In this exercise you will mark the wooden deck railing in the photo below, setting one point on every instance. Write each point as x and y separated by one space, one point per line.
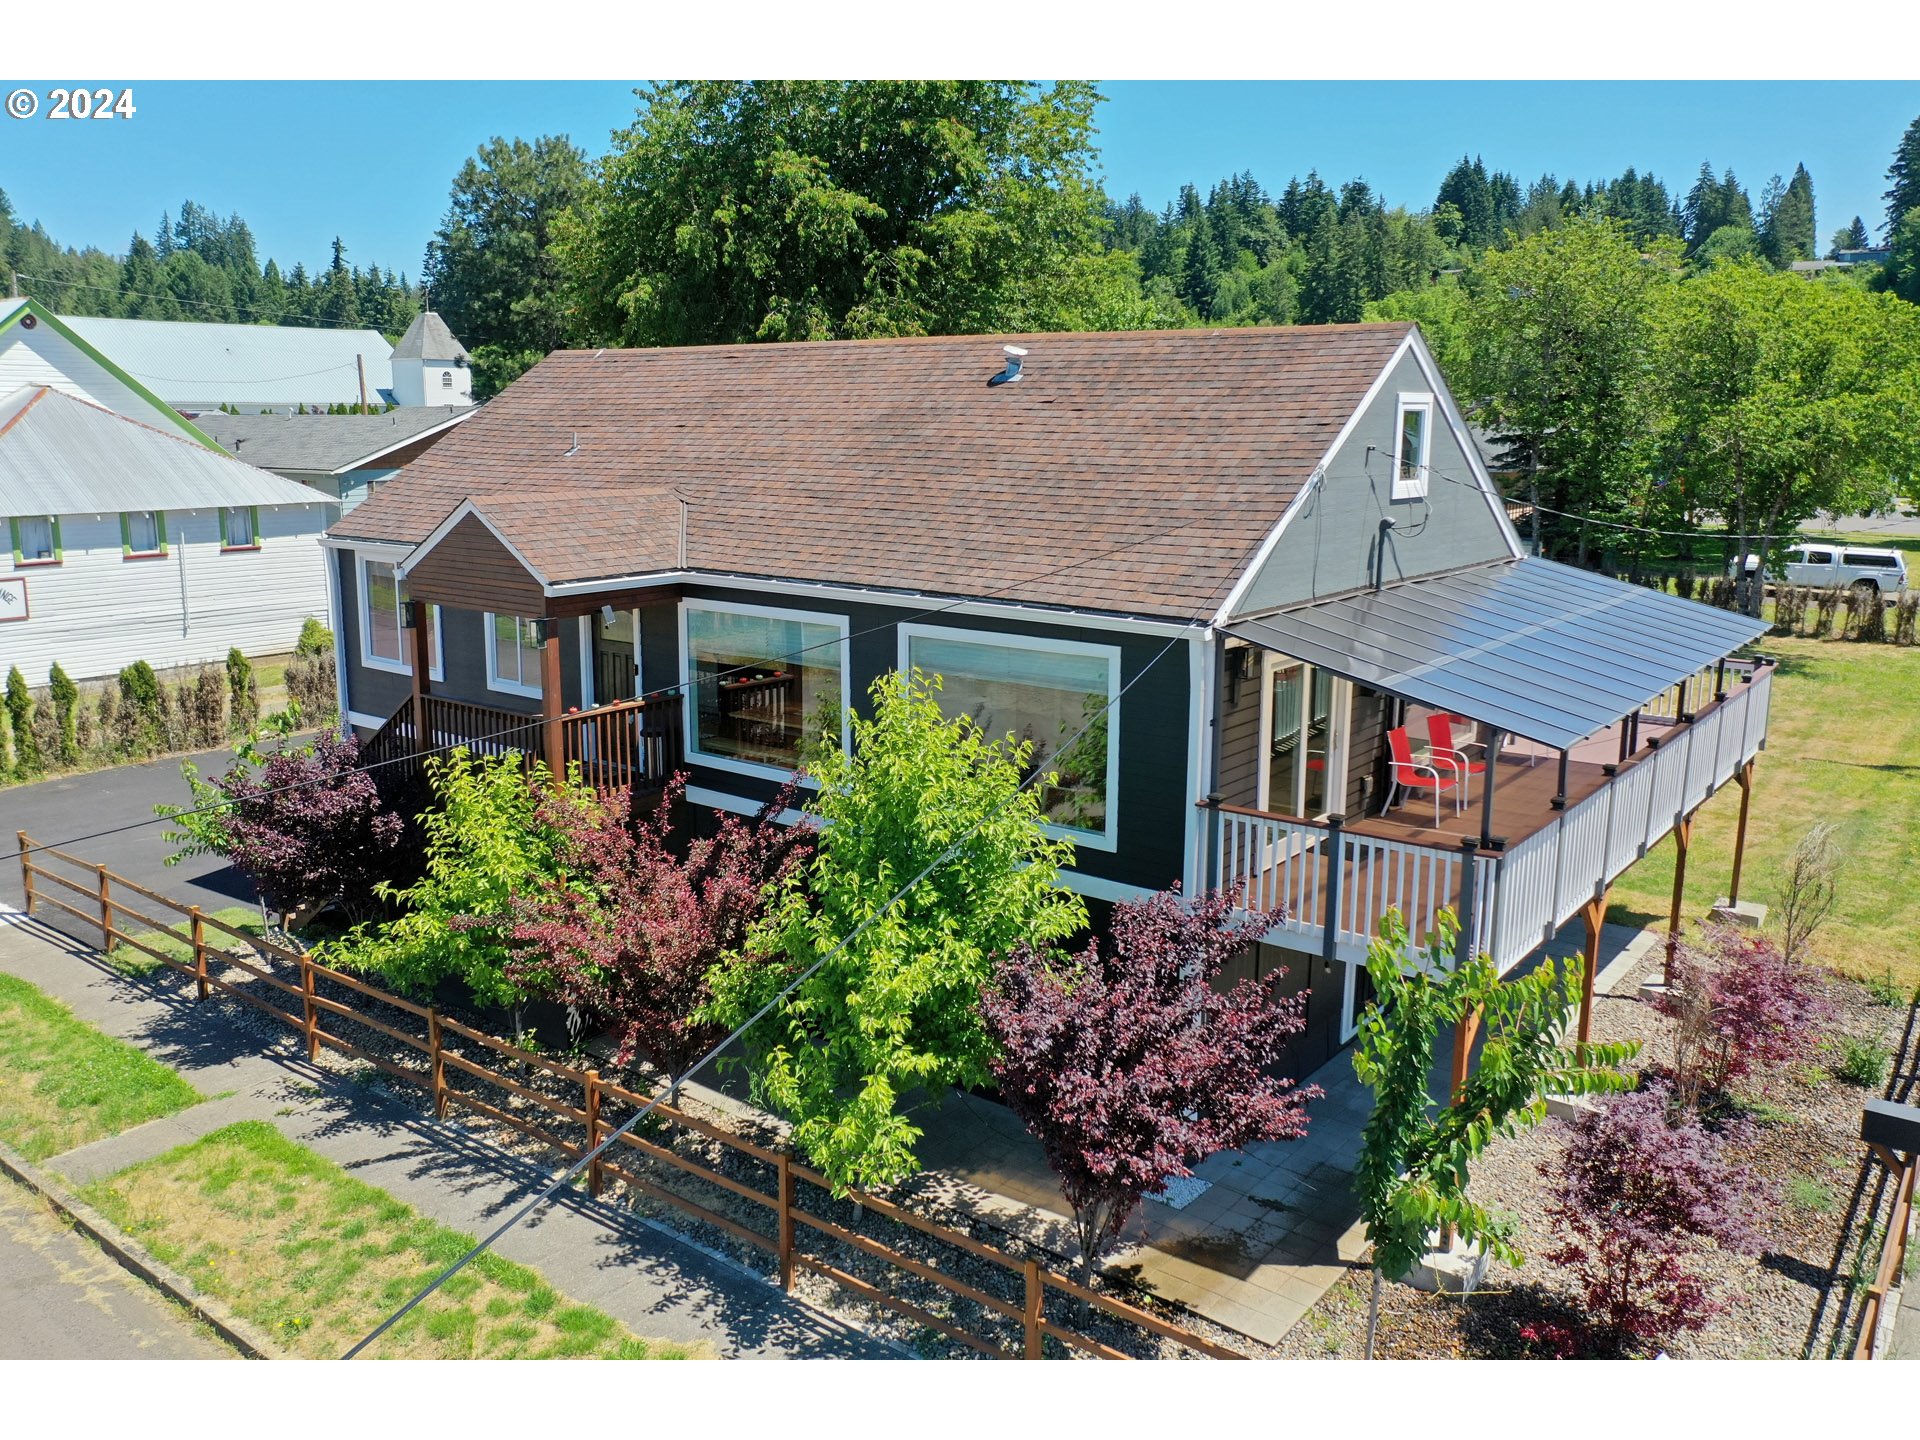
1525 892
634 743
449 1060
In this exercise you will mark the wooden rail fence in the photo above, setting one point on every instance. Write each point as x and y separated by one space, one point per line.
304 1008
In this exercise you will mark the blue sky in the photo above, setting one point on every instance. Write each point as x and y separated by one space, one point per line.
371 161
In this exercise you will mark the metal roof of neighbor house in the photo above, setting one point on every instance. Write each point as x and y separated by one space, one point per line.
329 444
428 338
1528 646
202 366
1130 472
62 456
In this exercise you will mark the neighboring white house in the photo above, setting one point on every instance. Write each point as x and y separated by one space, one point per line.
128 535
199 367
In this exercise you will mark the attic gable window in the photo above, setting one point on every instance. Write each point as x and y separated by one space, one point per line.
1412 446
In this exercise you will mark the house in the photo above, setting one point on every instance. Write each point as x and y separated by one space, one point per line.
1237 560
130 535
342 456
199 367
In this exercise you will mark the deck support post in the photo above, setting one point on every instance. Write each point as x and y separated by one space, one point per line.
1330 910
1594 913
1559 801
1745 776
1494 739
1683 842
550 702
417 622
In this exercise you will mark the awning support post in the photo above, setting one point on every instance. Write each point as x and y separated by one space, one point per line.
1683 840
1745 776
1494 739
1559 801
1213 763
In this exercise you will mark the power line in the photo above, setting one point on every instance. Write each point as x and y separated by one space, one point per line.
533 722
765 1010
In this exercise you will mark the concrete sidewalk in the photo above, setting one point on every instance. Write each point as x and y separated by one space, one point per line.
658 1285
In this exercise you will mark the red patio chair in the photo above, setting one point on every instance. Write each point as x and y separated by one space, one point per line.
1442 749
1406 773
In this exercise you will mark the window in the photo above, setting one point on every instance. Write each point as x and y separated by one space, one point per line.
446 379
385 641
762 684
1818 557
239 528
1867 560
513 655
143 533
1412 440
1056 694
36 539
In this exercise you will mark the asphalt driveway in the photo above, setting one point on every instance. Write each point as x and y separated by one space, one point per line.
73 811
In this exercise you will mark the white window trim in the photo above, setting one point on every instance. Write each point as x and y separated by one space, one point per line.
370 661
496 681
690 713
1109 838
1415 488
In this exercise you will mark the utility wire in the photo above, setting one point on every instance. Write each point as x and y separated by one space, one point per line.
534 722
761 1014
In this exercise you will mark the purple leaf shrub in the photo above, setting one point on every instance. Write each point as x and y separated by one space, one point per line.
1637 1196
1130 1066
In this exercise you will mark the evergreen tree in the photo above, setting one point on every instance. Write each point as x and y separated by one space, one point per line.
340 300
1467 191
1903 178
1849 237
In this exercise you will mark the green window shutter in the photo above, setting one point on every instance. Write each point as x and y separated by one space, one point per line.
59 547
13 531
126 536
160 529
224 540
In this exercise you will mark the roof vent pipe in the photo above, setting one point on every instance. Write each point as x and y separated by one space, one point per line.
1015 355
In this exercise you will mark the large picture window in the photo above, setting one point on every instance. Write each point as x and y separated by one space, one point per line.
513 655
1055 694
385 641
761 684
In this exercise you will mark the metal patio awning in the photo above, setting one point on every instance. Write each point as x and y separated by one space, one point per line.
1527 646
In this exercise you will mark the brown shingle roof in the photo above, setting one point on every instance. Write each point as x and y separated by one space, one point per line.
892 463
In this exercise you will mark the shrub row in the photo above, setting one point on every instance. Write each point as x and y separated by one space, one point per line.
136 715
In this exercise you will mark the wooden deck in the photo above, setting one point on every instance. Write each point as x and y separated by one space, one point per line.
1525 782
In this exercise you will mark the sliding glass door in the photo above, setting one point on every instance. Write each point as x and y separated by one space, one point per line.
1304 715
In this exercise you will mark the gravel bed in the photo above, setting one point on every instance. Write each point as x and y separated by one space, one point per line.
1790 1301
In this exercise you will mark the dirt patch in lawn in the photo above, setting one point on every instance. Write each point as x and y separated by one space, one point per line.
64 1083
317 1258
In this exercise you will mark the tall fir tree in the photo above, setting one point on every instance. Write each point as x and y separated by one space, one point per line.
1903 178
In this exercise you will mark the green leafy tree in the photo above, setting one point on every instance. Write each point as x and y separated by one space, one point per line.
491 268
1416 1154
1781 399
893 1008
1903 178
486 841
805 210
65 696
1902 274
1440 311
26 748
1557 343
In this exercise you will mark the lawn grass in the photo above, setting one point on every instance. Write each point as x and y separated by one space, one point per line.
317 1258
176 942
1843 745
64 1083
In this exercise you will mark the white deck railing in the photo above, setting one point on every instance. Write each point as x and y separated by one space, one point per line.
1524 893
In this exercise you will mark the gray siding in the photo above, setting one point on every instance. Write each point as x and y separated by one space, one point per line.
1240 738
1328 546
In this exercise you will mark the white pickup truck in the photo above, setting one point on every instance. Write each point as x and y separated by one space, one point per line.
1820 563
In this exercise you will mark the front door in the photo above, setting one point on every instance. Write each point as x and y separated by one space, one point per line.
616 657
